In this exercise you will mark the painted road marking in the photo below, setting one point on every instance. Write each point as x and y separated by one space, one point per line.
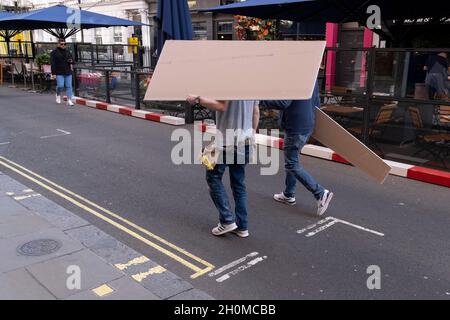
134 262
63 133
4 143
27 174
25 196
232 264
103 290
141 276
241 268
19 198
330 221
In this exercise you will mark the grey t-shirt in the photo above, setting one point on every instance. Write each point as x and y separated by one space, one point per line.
239 119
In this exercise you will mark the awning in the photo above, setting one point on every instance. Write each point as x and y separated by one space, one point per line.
7 33
334 10
67 21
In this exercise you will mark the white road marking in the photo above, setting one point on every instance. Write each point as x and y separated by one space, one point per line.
4 143
63 133
19 198
312 226
322 228
241 268
360 228
232 264
330 221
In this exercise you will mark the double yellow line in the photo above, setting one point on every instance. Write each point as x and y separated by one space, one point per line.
163 246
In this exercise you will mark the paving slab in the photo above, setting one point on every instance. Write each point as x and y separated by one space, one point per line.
54 273
18 225
20 285
123 289
11 259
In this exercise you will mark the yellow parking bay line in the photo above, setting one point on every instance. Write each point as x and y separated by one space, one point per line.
26 174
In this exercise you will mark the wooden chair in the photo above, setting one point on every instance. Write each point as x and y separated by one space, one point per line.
436 144
378 127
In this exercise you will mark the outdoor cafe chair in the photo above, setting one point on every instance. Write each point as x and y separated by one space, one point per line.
436 144
376 130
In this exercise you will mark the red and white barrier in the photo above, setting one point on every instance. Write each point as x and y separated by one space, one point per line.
147 115
408 171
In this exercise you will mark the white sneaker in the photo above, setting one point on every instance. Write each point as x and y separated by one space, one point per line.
241 233
58 99
322 204
223 228
69 102
280 197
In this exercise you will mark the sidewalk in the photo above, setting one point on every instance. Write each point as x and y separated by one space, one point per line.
47 252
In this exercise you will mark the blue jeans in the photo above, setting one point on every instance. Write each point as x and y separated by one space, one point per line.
237 182
293 144
64 81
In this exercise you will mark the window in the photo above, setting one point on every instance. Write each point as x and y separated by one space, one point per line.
118 35
200 32
225 30
224 27
98 36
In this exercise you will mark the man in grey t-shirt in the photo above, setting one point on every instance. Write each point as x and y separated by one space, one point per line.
236 123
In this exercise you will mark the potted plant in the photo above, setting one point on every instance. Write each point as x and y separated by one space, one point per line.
42 60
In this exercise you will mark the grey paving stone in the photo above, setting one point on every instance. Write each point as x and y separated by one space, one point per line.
18 225
113 250
54 213
11 259
193 294
10 207
124 289
20 285
87 235
93 270
166 284
8 184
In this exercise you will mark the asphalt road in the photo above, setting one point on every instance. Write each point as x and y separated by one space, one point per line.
123 164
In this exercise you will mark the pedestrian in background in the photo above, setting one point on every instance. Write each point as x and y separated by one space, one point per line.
62 61
437 76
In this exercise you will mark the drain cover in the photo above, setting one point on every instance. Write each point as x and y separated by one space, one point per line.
40 247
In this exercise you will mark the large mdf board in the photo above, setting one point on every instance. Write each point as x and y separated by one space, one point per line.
332 135
236 70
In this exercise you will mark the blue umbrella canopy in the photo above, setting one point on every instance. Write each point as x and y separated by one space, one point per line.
334 10
6 32
61 18
174 22
5 14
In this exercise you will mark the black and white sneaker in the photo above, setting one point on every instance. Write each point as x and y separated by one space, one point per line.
280 197
223 228
322 204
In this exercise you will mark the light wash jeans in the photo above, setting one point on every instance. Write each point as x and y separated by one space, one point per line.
64 81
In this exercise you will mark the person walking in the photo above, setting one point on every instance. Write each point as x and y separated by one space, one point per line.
62 61
298 121
437 76
236 122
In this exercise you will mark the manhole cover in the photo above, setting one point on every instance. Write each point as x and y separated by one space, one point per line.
39 247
